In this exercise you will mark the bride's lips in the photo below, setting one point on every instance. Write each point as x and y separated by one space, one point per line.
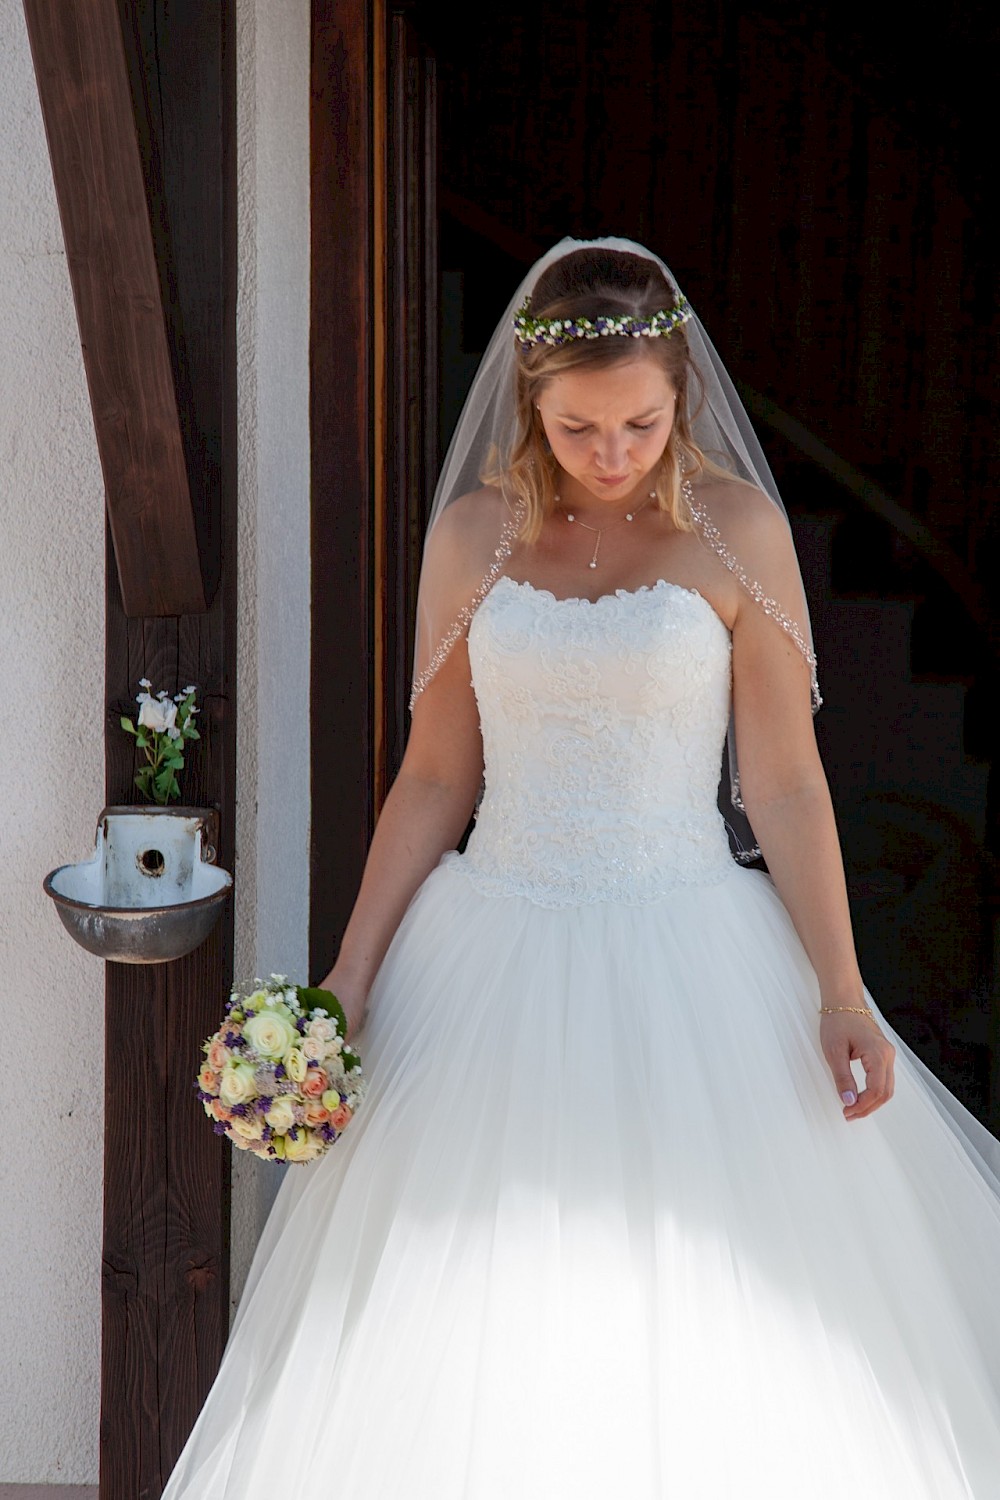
612 479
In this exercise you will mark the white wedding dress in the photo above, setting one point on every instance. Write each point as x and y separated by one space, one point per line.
600 1228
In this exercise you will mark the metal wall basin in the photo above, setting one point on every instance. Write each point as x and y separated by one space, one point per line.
150 892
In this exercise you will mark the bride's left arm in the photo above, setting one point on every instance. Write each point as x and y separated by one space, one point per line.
787 800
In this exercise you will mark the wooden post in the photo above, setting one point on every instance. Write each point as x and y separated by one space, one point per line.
139 105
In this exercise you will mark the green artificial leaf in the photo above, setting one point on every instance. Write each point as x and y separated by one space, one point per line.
190 733
127 724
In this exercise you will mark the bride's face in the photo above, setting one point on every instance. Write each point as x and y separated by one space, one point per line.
608 426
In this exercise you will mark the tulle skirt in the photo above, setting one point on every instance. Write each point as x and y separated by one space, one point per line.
600 1228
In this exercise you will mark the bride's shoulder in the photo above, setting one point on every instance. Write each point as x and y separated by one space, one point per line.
479 511
747 519
470 522
463 540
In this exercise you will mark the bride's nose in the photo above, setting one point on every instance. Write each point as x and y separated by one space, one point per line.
611 451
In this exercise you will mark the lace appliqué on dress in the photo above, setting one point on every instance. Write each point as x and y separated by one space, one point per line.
602 734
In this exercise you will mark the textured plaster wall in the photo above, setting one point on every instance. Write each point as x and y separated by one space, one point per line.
51 721
51 790
272 787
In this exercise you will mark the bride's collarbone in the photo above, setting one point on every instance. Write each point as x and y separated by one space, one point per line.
561 567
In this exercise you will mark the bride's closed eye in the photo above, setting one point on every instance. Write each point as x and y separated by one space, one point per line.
636 427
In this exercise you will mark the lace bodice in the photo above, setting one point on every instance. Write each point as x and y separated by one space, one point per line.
602 725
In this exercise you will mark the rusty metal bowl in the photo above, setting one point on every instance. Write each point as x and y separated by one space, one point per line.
151 890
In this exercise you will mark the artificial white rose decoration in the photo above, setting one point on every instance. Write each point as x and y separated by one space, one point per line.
163 728
157 715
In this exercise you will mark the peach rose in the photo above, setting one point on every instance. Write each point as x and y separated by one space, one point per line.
315 1083
315 1115
219 1111
341 1117
208 1081
218 1055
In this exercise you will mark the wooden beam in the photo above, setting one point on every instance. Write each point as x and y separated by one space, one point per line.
101 188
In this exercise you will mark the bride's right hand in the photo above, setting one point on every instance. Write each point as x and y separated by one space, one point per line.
352 996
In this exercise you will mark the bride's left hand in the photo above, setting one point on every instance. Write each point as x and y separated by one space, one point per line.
845 1036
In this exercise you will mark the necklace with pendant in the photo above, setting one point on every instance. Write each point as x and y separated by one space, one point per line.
599 531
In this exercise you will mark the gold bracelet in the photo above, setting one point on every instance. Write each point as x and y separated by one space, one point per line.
855 1010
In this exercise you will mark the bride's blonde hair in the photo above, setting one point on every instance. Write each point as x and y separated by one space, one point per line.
592 284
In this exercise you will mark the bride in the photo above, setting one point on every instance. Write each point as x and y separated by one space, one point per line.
646 1199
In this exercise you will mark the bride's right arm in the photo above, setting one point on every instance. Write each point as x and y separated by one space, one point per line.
426 812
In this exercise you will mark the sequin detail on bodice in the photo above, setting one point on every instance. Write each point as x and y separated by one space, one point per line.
603 725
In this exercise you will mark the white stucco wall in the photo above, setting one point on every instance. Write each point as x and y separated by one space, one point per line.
51 790
272 785
51 720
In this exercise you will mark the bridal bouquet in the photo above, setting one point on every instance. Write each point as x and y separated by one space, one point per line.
279 1077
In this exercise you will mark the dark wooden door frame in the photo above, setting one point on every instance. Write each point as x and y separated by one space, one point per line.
373 411
344 404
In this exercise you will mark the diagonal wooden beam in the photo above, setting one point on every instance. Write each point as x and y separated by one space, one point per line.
83 85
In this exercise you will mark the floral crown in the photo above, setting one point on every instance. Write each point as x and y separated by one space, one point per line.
529 330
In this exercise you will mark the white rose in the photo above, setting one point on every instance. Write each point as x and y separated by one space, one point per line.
270 1032
303 1148
281 1115
312 1048
237 1084
158 716
249 1127
321 1029
334 1065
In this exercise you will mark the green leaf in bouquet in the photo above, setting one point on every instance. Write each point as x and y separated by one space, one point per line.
312 998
